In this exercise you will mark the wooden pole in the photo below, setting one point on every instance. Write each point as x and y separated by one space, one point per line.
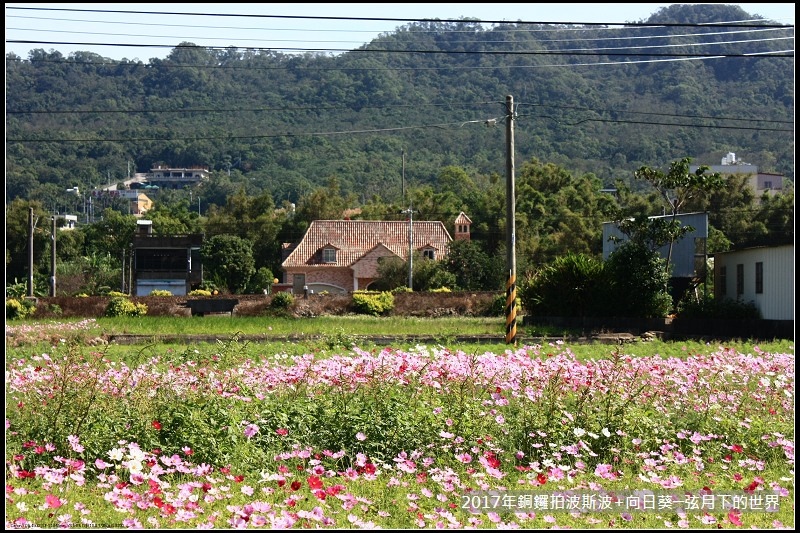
511 288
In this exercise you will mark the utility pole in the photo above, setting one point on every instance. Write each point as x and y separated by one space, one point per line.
511 288
410 212
123 271
53 260
31 227
403 154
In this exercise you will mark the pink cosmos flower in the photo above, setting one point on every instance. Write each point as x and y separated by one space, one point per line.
75 443
735 516
52 501
250 430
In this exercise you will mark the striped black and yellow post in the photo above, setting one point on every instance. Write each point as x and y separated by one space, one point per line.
511 309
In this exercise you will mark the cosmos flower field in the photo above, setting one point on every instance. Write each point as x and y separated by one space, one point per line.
423 438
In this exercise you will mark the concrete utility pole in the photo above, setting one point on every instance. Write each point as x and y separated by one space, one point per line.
410 212
403 154
511 287
31 227
53 260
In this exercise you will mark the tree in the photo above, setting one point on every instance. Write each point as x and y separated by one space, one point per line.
229 261
426 274
676 188
17 237
112 235
636 283
325 203
392 273
174 219
250 217
473 268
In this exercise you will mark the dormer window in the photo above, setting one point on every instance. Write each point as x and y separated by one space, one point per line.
329 255
429 253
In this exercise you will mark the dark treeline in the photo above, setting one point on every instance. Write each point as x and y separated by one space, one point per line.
422 125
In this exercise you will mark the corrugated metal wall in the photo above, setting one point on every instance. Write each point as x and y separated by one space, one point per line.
685 252
776 302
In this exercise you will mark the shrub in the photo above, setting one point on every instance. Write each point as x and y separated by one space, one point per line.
725 308
160 292
17 309
200 292
122 306
115 294
440 289
207 285
260 281
636 283
282 300
568 286
498 305
371 303
17 290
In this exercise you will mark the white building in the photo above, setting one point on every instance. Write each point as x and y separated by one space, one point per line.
760 182
762 275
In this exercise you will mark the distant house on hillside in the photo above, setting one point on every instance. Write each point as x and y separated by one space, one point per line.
138 202
176 178
341 256
760 182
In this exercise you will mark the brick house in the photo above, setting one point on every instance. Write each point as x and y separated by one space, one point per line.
341 256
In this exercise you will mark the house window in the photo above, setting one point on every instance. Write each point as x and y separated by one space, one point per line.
767 184
759 278
739 280
428 254
329 255
723 280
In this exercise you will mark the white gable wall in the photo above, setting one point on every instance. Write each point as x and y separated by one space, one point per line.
776 302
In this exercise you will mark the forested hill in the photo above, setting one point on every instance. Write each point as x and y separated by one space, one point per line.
589 99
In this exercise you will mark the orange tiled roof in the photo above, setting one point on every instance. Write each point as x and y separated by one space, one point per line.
353 238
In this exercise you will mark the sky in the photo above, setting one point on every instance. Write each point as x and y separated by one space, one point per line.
103 32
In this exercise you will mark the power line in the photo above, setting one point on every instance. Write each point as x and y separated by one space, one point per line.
492 31
388 106
373 130
778 53
387 19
